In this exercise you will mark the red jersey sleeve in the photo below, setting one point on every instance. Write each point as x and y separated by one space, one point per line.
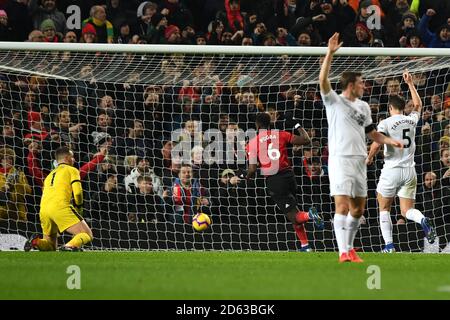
286 137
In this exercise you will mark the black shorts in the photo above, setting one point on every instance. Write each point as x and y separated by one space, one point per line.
282 188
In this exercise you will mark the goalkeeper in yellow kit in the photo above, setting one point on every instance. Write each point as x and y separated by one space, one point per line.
59 211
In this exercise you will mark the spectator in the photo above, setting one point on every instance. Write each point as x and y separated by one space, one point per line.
33 162
49 30
89 34
177 13
304 39
13 187
188 196
143 169
231 196
124 34
95 171
102 128
188 35
172 34
413 40
443 168
36 36
6 31
234 17
363 36
10 139
441 121
108 203
19 17
439 39
70 37
145 205
134 143
431 200
145 13
407 26
171 173
117 12
37 128
200 39
46 9
103 28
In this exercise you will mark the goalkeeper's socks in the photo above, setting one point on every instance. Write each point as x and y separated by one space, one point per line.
301 217
79 239
351 226
414 215
301 234
42 244
340 232
386 226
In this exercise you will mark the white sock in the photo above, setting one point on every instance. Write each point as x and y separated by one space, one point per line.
351 226
339 230
386 226
414 215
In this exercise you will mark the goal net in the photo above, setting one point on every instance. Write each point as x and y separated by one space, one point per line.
136 115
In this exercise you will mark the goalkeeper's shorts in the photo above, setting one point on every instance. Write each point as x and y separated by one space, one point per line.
58 220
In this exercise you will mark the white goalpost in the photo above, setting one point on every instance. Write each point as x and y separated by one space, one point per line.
135 115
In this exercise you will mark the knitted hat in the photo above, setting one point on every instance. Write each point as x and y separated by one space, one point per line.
3 13
409 14
365 3
89 28
144 5
364 26
170 30
47 24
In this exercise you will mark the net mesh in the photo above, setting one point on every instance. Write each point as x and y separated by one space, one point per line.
124 114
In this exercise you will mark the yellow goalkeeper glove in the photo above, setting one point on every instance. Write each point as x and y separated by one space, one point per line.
79 209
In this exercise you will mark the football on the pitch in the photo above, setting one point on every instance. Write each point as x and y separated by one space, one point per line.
201 221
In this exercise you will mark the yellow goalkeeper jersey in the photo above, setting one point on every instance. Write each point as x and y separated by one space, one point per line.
59 186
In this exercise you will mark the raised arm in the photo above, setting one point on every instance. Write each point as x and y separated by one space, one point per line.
417 102
302 138
333 46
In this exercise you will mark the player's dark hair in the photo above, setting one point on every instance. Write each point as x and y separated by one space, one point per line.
397 102
61 152
263 120
348 77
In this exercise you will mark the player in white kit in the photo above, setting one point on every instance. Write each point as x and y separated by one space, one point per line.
349 120
398 176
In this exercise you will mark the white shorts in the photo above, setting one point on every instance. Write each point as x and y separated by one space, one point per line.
348 176
398 181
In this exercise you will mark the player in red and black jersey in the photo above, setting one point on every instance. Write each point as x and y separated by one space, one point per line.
269 150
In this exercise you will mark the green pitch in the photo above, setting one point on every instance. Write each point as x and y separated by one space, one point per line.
221 275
